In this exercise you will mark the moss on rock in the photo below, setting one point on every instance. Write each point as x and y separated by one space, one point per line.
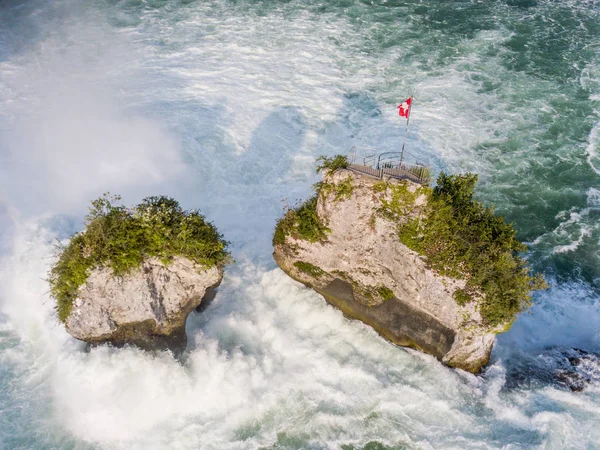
309 269
385 292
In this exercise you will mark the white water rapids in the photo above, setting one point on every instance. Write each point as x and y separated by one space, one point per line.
225 105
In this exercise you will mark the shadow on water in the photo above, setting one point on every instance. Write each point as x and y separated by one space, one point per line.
274 143
245 191
361 122
17 31
247 186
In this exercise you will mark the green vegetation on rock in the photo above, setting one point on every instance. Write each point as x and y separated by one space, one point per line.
309 269
462 238
121 238
462 297
330 165
301 222
343 190
385 292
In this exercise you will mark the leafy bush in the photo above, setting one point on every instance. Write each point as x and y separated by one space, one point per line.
332 164
462 238
284 227
121 238
301 222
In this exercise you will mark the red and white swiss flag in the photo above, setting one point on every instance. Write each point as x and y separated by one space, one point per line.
404 108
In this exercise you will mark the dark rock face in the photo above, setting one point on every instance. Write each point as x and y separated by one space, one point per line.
209 296
577 369
395 320
567 368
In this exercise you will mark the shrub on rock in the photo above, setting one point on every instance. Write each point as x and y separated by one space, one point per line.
121 239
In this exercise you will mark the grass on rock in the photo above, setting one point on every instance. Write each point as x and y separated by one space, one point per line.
343 190
385 292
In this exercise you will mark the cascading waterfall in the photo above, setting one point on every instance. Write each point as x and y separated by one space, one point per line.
226 105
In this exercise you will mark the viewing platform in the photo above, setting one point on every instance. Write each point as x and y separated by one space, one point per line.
389 164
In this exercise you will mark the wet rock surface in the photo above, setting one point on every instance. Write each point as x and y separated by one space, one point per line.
568 368
577 369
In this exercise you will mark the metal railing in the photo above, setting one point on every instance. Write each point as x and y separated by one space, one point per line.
388 160
369 160
389 164
353 154
367 170
417 173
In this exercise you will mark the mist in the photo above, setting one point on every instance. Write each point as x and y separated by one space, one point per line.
67 135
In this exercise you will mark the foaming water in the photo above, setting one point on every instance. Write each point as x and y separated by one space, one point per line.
270 364
593 156
226 106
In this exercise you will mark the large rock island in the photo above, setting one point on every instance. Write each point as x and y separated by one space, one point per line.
134 275
383 251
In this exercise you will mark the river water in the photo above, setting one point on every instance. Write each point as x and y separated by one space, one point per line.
226 105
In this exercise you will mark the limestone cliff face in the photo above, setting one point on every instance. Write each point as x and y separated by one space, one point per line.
363 269
147 307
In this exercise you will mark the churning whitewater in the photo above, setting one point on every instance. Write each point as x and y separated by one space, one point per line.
226 105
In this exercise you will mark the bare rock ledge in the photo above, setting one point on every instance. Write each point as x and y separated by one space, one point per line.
362 254
148 307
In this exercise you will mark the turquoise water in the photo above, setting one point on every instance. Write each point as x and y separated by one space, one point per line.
226 105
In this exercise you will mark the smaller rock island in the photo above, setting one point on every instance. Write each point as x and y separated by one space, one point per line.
134 274
428 268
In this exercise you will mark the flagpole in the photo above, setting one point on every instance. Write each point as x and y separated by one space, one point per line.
406 130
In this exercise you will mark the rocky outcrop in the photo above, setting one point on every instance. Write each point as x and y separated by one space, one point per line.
363 269
561 367
147 307
577 369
